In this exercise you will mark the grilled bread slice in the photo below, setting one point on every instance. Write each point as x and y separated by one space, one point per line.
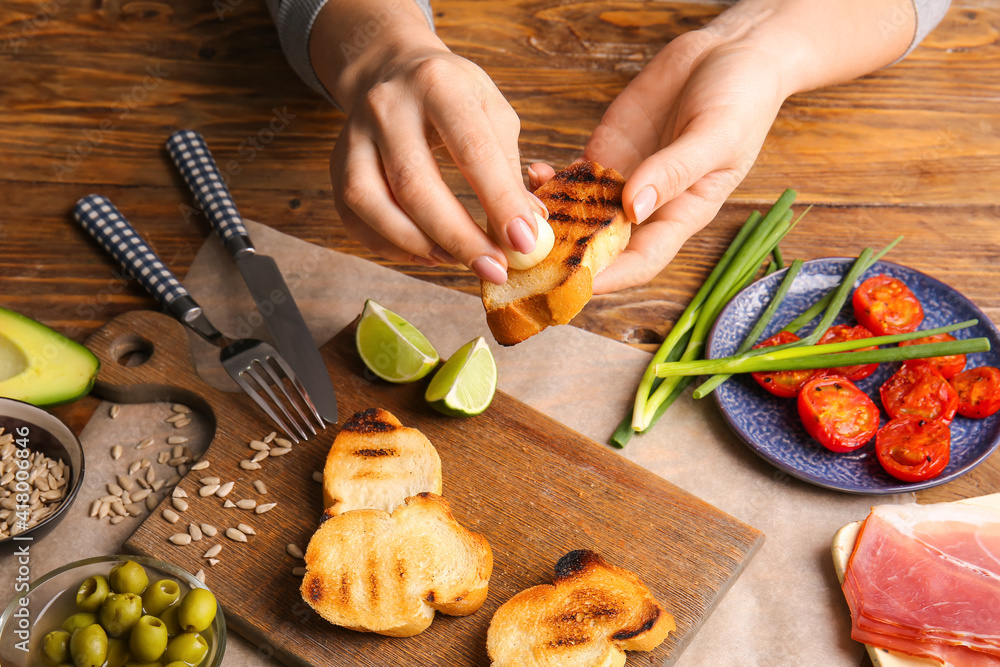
591 614
585 212
376 463
371 571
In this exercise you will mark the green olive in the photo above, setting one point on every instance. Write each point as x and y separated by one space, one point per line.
169 618
118 653
79 620
189 647
131 663
89 646
55 646
90 596
120 612
128 577
160 595
148 639
177 663
197 610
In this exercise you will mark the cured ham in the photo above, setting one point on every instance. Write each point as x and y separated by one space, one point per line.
925 580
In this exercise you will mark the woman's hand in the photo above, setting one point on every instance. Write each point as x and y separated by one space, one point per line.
405 95
687 129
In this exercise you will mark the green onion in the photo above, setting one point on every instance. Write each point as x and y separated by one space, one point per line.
780 358
758 329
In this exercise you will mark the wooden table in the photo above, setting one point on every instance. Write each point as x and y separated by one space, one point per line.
90 91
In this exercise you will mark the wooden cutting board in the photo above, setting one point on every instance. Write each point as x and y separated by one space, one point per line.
533 487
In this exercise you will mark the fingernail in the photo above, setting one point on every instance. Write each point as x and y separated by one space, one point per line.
442 255
521 238
532 174
542 208
489 269
417 259
643 203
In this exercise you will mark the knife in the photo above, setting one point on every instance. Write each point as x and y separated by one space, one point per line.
274 300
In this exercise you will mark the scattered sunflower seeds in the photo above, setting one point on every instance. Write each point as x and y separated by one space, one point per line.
201 465
294 550
151 502
214 561
245 529
163 457
176 440
125 482
148 442
208 490
247 464
317 476
134 467
209 480
229 504
195 532
224 490
115 411
171 515
116 452
282 442
270 436
115 520
174 479
200 576
236 535
178 493
299 571
212 551
259 456
266 507
179 504
246 503
209 530
259 445
180 408
260 487
140 495
114 489
182 423
176 417
279 451
180 539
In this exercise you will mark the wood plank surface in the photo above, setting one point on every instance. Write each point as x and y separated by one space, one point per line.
534 488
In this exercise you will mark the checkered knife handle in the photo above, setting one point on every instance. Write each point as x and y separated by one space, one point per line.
106 224
190 153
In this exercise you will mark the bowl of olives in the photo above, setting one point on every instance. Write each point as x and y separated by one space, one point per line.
113 611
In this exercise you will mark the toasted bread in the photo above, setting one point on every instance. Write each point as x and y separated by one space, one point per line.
376 463
371 571
585 212
591 614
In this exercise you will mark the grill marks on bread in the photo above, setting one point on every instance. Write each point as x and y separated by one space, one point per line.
591 613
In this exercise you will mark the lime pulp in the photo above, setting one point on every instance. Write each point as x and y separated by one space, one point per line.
464 386
392 348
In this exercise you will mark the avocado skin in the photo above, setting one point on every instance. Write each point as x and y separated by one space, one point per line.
48 379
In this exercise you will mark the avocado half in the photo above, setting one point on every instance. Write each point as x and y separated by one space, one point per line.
40 366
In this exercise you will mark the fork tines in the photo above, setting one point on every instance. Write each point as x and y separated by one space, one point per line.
267 374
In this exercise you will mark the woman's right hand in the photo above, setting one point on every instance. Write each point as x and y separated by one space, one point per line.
406 94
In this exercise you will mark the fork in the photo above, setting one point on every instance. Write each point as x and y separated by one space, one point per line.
255 365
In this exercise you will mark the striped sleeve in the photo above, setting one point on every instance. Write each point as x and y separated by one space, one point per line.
294 21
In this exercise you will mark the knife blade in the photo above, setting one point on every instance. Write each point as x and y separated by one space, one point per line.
274 299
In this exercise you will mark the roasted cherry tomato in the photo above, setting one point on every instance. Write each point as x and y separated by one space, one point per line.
837 413
782 383
948 366
845 332
912 449
978 391
921 392
885 305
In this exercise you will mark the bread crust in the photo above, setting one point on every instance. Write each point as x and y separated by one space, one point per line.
586 215
588 617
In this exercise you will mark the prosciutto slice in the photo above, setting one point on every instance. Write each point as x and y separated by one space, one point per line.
925 580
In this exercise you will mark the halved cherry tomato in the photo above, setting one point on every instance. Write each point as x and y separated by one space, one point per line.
947 366
885 305
921 392
837 413
782 383
844 332
912 449
978 391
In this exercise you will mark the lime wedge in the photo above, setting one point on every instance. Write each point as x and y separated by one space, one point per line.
465 384
391 347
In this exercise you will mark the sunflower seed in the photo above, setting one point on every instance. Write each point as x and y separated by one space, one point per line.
298 571
180 408
173 480
114 489
266 507
195 532
134 509
95 507
244 528
208 490
200 576
151 476
212 551
116 452
209 480
180 539
259 446
176 440
104 511
176 451
279 451
163 457
214 561
259 485
140 495
118 508
182 469
177 462
134 467
125 482
108 499
236 535
178 493
115 411
144 463
170 515
282 442
259 456
224 490
151 503
145 443
247 464
201 465
246 504
270 436
179 504
158 484
317 476
115 520
209 530
294 550
228 504
126 497
176 417
182 423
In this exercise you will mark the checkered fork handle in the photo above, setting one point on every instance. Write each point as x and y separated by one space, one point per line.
106 224
190 153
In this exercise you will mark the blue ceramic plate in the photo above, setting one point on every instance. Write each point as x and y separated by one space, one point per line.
771 426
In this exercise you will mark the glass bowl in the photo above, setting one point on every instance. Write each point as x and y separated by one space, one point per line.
45 433
52 597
